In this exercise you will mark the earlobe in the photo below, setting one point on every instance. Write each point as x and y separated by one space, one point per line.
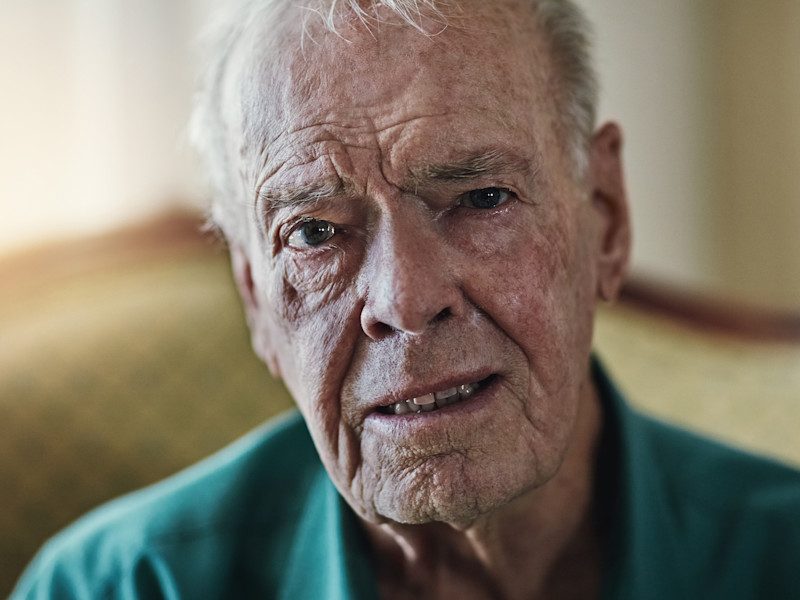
610 201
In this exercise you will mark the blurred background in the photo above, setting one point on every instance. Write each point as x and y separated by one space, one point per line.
96 95
123 352
709 95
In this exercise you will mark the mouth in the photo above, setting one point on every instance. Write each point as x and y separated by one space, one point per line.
434 401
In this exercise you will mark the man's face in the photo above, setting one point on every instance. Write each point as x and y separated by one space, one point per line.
418 234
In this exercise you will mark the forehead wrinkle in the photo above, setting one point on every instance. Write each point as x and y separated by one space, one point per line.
274 198
331 182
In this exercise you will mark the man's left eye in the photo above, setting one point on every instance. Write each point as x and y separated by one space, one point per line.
485 198
310 233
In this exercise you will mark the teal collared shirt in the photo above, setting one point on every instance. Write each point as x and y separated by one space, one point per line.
686 518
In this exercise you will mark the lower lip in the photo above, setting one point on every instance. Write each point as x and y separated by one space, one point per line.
480 401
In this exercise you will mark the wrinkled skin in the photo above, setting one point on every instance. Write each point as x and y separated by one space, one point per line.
418 289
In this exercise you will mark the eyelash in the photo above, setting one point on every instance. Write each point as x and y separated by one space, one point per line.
466 197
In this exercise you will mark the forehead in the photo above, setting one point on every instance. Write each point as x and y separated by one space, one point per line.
487 67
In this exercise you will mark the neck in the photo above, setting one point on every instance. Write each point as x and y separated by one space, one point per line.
543 544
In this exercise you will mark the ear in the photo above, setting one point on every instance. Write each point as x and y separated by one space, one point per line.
610 203
259 330
243 275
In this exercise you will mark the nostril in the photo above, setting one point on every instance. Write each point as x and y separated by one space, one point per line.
443 315
379 330
390 308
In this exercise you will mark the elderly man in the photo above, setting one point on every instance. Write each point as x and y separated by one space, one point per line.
422 218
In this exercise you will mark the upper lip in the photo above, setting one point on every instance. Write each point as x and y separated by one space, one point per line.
419 390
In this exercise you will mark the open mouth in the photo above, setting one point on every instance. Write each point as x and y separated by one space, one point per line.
436 400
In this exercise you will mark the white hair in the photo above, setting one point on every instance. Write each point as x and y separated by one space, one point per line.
566 30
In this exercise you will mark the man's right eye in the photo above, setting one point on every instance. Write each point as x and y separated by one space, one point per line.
310 233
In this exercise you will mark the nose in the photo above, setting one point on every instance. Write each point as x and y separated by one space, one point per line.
411 279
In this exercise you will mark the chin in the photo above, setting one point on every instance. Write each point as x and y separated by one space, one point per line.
445 490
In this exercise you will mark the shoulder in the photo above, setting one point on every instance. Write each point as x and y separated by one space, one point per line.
190 526
693 517
733 517
719 477
691 471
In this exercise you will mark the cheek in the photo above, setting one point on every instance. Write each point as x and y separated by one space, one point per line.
302 286
520 265
311 327
312 334
307 294
531 277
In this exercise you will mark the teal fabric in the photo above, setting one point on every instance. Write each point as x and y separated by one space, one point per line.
687 518
691 518
260 519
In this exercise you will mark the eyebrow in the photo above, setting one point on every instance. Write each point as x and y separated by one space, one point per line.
471 167
309 193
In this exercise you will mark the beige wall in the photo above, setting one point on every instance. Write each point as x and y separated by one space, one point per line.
95 95
756 93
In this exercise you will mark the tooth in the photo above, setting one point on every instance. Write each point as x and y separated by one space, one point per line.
401 408
442 402
428 407
465 391
446 394
425 400
449 398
